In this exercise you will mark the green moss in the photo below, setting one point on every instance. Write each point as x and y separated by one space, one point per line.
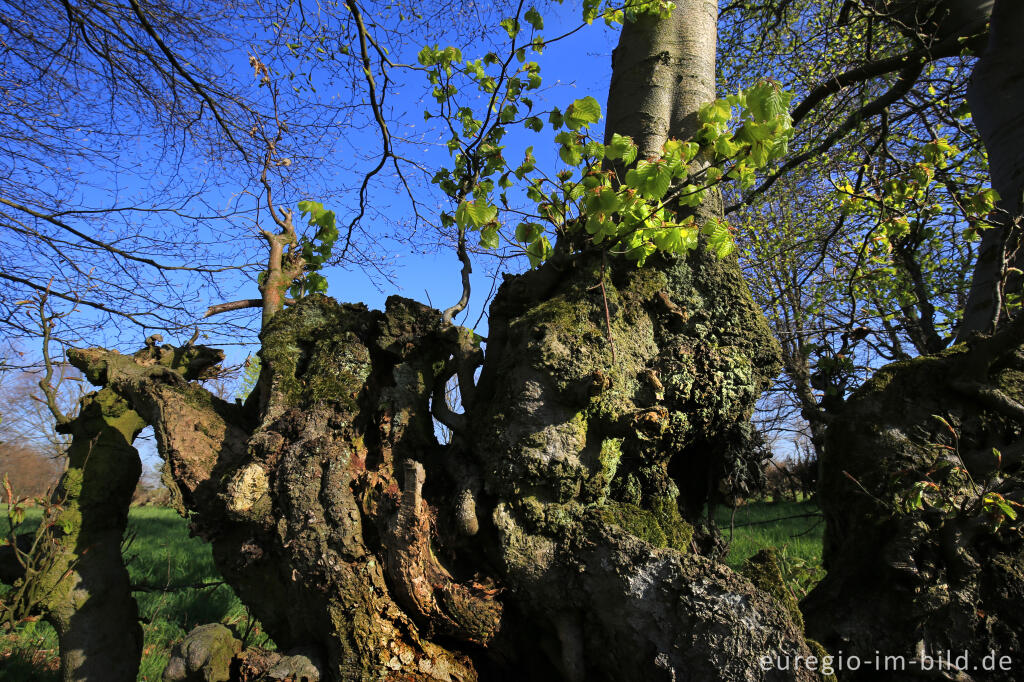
608 463
678 533
632 491
821 654
531 511
579 426
661 526
763 570
562 519
569 329
527 552
72 483
313 353
643 284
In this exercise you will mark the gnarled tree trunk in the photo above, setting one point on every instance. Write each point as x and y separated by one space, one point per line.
919 581
83 584
554 538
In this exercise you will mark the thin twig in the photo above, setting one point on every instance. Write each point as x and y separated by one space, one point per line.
607 314
780 518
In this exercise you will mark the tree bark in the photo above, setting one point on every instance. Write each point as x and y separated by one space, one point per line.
996 97
663 70
315 510
558 536
916 581
83 585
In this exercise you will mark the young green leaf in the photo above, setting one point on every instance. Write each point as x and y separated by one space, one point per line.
539 251
511 26
475 214
582 112
534 19
528 233
621 147
489 237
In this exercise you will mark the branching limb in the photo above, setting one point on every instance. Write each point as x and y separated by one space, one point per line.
239 305
467 269
908 77
378 115
73 298
284 264
47 321
947 48
197 88
439 404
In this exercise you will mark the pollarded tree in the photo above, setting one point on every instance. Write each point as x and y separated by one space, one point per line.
557 536
611 406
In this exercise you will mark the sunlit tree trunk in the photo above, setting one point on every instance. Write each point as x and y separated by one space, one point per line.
996 96
83 586
554 538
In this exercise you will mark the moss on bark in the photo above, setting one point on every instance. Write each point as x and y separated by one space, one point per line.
916 581
83 585
612 428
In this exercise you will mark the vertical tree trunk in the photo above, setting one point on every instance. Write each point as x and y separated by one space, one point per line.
663 70
84 584
612 407
996 97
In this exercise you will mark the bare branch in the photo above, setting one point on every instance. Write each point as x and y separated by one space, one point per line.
199 90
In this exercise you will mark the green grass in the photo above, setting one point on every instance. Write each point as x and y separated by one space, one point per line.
786 526
161 556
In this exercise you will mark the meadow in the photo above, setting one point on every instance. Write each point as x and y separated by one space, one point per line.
178 586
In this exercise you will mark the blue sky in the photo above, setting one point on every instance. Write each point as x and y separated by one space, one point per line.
572 68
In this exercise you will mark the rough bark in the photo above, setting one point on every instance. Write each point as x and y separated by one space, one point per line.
83 585
914 582
316 511
346 528
590 462
554 538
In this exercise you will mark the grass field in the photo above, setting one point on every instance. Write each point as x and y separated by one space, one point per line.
163 558
794 529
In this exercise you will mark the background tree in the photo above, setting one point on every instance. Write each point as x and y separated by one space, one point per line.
860 246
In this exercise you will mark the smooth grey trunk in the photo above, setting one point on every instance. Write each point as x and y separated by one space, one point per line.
663 70
996 97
